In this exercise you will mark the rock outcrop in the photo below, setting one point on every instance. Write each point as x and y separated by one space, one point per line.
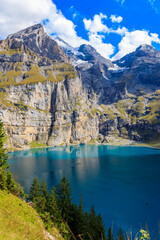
39 42
53 96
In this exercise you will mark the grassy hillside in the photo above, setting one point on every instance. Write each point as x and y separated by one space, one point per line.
19 221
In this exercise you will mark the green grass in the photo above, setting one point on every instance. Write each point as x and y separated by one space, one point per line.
141 99
36 144
8 78
32 76
123 105
63 67
11 52
18 221
94 111
92 141
50 77
153 111
35 75
138 108
109 111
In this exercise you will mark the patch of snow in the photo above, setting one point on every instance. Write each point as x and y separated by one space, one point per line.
80 54
63 44
81 62
116 68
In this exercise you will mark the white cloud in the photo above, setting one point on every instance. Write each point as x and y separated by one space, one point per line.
121 31
96 33
64 28
116 19
96 25
105 49
16 15
134 39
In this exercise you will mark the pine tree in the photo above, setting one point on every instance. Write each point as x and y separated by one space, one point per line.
42 199
10 183
52 208
120 235
110 234
93 224
12 186
79 225
6 179
3 159
97 229
3 155
101 231
34 191
63 195
44 190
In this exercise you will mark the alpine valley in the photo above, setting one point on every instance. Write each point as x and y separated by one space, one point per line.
53 94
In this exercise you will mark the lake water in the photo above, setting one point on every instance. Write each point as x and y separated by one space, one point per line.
123 183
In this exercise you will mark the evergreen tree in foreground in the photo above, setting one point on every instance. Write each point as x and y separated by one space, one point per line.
120 235
34 191
63 195
101 231
52 208
3 159
3 155
110 234
79 224
6 179
42 203
97 229
55 207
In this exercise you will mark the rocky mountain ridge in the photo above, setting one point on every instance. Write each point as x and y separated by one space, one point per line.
53 96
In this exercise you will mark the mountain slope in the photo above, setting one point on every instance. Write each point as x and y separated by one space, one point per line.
38 41
19 221
48 98
142 69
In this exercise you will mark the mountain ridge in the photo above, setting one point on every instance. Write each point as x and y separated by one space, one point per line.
52 96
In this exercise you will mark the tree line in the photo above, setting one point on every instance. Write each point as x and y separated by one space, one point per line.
55 207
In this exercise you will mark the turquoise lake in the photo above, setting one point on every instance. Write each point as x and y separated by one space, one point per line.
123 183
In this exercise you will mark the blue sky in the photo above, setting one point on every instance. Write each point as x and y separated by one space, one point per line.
113 27
136 14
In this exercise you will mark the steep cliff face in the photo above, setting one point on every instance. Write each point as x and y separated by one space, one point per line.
48 113
42 100
49 98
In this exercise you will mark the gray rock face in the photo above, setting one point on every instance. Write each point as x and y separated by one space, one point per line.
38 41
45 99
143 68
95 74
91 55
47 113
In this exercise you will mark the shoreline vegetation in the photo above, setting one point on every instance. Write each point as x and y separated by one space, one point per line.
122 143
